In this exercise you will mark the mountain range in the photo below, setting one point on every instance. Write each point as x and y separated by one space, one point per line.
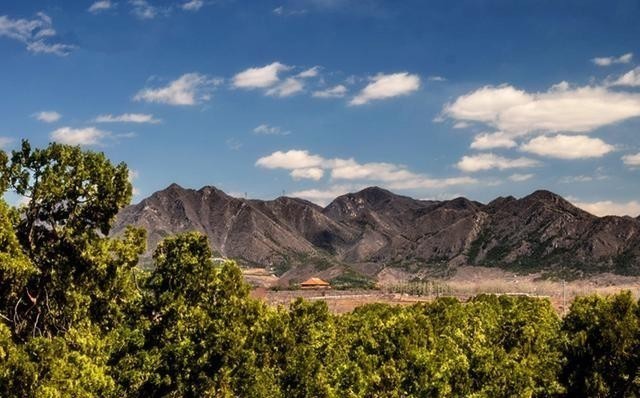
373 229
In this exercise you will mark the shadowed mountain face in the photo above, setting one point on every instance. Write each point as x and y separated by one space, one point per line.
539 231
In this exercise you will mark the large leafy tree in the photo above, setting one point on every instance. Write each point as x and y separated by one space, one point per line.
67 290
74 271
603 347
490 346
198 319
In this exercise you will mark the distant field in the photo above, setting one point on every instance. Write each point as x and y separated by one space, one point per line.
467 282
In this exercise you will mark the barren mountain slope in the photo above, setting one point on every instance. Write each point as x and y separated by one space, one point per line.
375 226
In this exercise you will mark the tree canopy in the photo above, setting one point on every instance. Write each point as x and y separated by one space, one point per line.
78 318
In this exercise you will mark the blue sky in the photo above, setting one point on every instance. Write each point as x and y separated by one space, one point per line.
320 97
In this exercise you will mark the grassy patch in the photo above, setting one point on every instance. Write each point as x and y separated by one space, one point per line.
352 280
478 244
623 263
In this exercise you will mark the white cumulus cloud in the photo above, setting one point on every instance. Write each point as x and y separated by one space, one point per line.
36 34
192 5
349 169
338 91
259 77
99 6
288 87
387 86
488 161
559 109
610 208
127 118
632 160
568 146
311 72
188 89
492 140
303 164
629 79
607 61
311 173
80 136
324 196
292 159
47 116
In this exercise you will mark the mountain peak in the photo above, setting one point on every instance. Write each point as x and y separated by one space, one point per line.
210 189
172 190
354 203
174 187
376 226
549 198
374 195
461 203
501 201
375 190
544 195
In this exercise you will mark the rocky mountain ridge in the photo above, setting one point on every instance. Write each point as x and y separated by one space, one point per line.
375 228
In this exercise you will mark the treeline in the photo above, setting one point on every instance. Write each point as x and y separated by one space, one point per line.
78 318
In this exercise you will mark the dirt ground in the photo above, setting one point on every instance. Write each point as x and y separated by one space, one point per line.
341 301
465 283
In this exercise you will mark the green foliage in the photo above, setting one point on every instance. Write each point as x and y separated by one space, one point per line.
310 351
483 348
199 316
623 263
71 191
603 347
17 372
496 254
352 280
69 271
74 365
16 269
478 244
64 286
78 318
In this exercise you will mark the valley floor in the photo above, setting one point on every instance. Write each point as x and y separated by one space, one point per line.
394 288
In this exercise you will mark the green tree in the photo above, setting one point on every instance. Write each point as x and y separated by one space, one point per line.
602 347
17 372
76 272
67 291
310 347
73 365
199 321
